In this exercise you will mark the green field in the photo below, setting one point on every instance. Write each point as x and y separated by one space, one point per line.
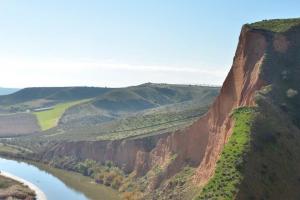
49 118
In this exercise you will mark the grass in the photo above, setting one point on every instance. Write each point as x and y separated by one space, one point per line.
276 25
228 174
49 118
4 148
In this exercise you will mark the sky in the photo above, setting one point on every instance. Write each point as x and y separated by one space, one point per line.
119 43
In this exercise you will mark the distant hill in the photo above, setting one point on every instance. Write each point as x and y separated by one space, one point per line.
153 95
42 96
128 99
73 107
6 91
125 101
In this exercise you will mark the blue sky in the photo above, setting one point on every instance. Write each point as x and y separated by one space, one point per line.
125 42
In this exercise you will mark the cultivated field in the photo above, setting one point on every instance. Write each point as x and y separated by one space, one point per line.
18 124
49 118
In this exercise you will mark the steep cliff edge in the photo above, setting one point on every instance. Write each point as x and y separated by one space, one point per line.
262 155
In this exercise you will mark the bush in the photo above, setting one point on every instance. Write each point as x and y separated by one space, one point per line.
290 93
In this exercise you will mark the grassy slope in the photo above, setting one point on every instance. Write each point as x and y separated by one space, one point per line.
52 93
272 169
152 95
49 118
276 25
228 173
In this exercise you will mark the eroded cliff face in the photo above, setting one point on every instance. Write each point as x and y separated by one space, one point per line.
198 145
239 89
122 152
201 144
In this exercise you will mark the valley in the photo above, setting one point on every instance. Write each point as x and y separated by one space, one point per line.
98 120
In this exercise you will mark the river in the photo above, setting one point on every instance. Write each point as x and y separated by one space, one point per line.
58 184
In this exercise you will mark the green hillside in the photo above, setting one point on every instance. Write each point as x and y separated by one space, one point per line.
56 94
121 102
276 25
153 95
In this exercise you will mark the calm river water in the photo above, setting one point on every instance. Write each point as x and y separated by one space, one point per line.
58 184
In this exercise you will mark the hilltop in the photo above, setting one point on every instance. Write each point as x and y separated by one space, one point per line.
276 25
41 96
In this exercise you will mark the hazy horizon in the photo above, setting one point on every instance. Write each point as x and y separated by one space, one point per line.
118 44
63 86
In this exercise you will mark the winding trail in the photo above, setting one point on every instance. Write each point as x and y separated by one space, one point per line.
40 195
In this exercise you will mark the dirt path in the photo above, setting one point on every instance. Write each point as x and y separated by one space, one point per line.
39 193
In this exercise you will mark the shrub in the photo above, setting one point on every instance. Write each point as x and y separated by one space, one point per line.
290 93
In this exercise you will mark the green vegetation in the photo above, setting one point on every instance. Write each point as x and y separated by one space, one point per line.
103 173
6 182
180 186
82 183
273 164
228 174
276 25
8 149
149 122
49 118
152 95
56 94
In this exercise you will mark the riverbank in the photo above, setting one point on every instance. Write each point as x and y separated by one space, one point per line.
39 193
71 185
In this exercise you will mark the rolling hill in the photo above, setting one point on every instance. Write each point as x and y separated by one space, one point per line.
49 95
85 107
121 102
